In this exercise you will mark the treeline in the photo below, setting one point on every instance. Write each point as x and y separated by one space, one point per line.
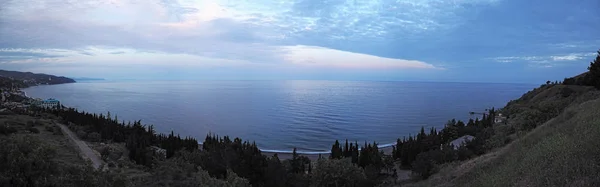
137 137
590 78
220 154
425 151
367 157
222 158
406 150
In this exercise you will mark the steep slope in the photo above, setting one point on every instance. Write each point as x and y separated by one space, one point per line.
554 143
562 152
544 103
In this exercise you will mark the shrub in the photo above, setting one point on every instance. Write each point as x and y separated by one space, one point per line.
105 152
424 165
57 131
49 128
26 161
6 130
33 130
30 123
81 134
337 172
464 153
94 137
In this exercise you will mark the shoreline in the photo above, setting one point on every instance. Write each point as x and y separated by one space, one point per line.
283 155
314 157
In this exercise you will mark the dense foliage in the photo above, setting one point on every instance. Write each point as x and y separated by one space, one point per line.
222 157
138 138
424 151
338 172
26 161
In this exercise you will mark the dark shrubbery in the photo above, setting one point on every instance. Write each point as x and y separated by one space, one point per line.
33 130
338 172
6 129
26 161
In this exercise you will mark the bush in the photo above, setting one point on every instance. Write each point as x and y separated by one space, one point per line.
33 130
104 153
464 153
6 130
424 165
57 131
49 128
26 161
337 172
94 137
177 172
81 134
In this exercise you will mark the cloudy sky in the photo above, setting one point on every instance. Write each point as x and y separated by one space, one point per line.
416 40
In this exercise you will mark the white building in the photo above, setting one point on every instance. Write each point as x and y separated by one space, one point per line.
48 103
499 118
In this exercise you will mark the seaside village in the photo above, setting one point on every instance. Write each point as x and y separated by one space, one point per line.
15 99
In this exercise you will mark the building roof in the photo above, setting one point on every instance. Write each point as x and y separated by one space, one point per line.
461 141
51 100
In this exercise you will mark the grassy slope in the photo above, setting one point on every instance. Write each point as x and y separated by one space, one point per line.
66 151
564 151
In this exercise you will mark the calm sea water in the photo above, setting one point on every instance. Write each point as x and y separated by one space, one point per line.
281 115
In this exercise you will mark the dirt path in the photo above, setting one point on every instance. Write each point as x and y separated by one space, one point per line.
85 150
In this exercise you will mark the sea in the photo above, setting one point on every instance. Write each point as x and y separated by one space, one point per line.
281 115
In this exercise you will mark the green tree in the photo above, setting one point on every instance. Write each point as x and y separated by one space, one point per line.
337 173
593 77
336 150
424 165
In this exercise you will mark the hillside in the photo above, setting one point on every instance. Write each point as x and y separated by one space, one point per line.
32 79
6 82
560 150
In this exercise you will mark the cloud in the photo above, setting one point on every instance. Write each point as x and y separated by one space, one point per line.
551 59
323 57
218 33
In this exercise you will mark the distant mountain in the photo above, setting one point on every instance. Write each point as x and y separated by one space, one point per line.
87 79
32 79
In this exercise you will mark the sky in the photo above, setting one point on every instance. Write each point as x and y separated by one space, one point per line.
507 41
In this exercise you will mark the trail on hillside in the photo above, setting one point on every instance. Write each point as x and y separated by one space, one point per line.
84 149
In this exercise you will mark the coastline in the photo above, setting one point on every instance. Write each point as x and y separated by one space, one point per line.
314 157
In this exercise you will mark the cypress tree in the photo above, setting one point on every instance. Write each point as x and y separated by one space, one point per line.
593 77
346 149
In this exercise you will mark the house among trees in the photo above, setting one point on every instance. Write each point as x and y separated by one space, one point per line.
461 141
499 118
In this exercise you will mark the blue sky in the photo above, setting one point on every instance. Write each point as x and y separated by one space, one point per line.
414 40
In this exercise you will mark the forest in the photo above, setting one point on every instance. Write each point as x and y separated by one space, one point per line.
223 156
